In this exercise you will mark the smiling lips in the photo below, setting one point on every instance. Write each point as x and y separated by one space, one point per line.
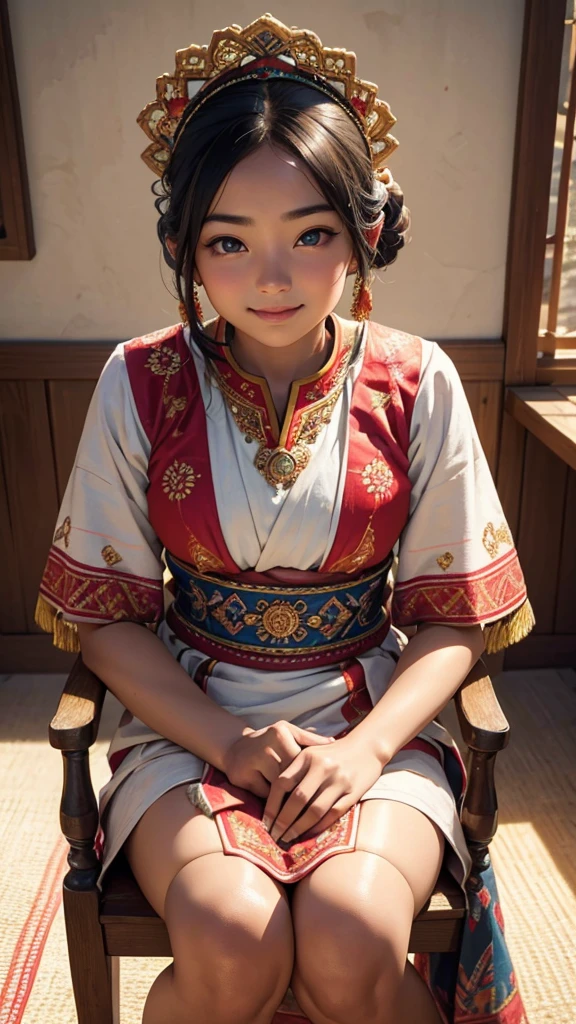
276 313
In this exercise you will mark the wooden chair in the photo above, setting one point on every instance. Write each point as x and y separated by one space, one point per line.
102 927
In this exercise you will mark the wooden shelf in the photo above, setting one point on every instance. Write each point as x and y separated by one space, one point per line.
550 414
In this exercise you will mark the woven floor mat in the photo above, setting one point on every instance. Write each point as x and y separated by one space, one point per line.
533 851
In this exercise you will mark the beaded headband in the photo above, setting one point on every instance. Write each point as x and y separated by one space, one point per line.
264 49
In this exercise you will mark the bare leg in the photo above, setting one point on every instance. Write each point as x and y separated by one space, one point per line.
357 909
229 923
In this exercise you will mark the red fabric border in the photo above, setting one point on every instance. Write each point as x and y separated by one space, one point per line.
110 596
484 595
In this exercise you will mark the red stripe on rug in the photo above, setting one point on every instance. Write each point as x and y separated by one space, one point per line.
30 944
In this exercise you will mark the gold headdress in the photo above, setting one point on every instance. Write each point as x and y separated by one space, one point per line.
265 49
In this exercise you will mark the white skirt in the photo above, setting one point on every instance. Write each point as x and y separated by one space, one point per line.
310 698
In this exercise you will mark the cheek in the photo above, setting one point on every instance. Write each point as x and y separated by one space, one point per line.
221 273
327 267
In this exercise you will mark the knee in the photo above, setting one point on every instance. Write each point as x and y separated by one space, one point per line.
360 999
355 980
233 948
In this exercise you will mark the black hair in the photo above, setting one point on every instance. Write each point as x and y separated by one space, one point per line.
297 118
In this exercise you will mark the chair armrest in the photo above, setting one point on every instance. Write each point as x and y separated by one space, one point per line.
73 730
485 731
75 724
482 722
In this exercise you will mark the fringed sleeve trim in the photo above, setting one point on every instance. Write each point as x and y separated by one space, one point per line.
510 629
64 634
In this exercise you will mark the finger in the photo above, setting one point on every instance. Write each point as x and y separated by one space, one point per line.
271 763
280 738
331 816
307 738
322 802
304 793
258 785
283 785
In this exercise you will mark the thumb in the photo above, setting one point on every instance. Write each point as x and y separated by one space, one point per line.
307 738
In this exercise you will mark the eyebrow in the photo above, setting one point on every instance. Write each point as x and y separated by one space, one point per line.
303 211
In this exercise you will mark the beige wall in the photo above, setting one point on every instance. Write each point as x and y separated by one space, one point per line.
448 68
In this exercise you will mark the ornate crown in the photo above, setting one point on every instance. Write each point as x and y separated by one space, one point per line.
266 48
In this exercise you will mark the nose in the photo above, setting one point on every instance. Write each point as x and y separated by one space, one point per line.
273 277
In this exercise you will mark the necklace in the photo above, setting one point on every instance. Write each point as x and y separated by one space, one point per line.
280 459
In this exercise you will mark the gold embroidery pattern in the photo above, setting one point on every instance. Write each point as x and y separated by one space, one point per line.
280 621
247 415
460 599
178 480
165 362
247 833
110 555
357 558
74 587
380 399
492 539
174 405
320 390
204 559
199 603
231 614
63 532
281 466
378 478
445 560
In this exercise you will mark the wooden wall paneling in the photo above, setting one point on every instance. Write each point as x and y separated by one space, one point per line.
26 446
511 469
477 360
53 360
485 398
565 619
12 610
542 651
541 528
68 402
83 360
32 652
534 149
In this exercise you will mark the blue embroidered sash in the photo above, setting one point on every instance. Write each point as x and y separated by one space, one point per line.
280 626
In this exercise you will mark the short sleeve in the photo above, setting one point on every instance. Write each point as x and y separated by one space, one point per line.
457 563
105 562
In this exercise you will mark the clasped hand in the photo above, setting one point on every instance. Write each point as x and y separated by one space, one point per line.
309 781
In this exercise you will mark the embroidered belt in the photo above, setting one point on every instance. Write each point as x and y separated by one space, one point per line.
278 626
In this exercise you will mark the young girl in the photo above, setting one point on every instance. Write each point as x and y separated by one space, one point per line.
280 781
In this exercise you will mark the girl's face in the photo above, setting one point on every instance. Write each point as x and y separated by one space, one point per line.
271 242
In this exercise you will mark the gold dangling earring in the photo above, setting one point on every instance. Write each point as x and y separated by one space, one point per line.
197 305
361 299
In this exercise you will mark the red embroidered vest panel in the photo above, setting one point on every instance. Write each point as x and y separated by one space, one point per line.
169 402
376 494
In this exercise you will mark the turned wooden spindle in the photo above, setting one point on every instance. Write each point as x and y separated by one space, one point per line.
485 732
79 820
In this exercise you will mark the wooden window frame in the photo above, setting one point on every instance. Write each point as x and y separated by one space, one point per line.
550 340
544 29
17 241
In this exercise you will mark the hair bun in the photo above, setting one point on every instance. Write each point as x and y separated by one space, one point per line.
396 225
